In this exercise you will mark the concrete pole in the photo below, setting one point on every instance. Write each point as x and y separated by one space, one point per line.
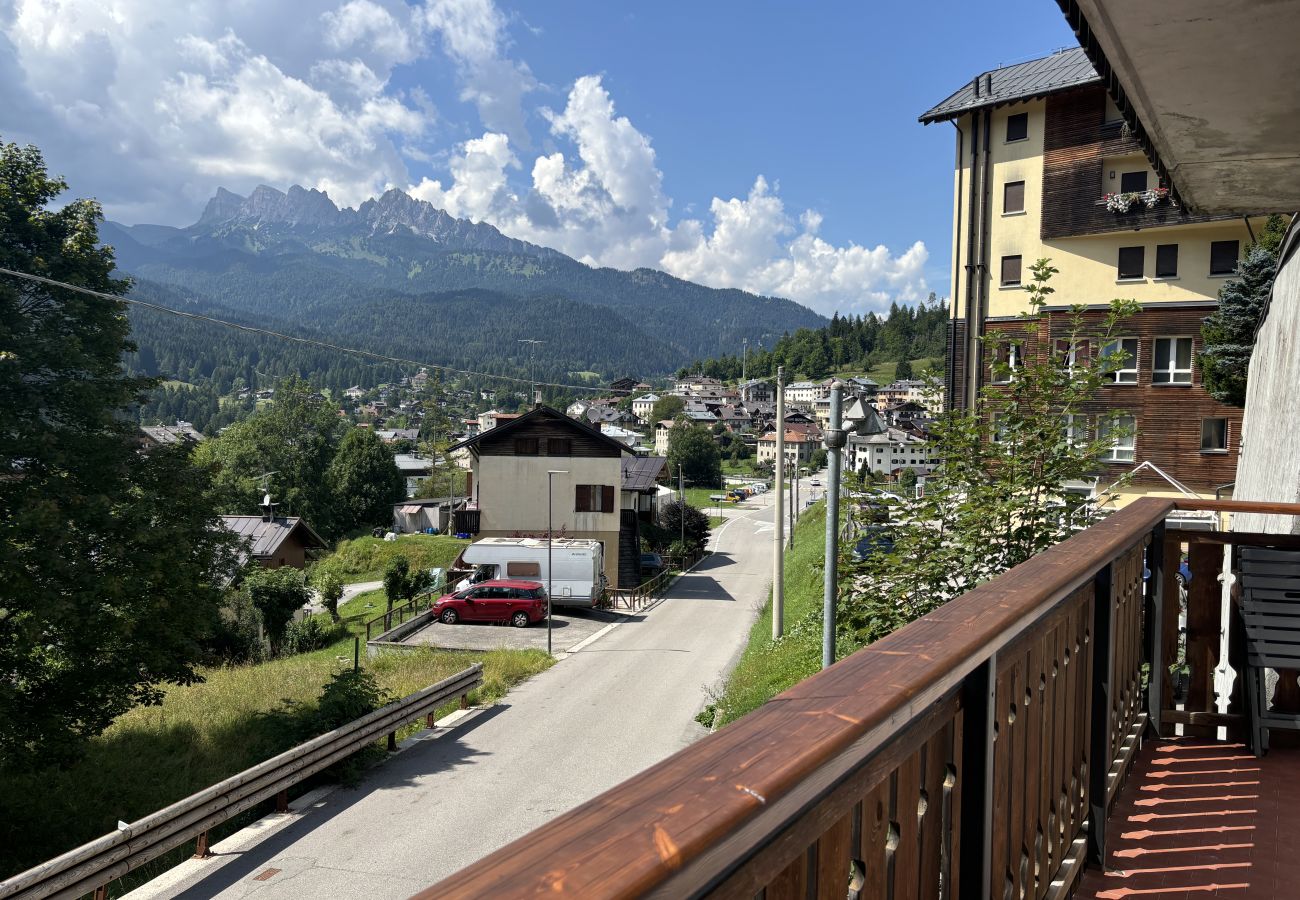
550 534
835 440
778 538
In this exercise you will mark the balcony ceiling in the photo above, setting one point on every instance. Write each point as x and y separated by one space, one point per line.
1214 84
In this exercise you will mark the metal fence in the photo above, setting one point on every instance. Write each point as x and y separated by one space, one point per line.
90 867
643 595
399 614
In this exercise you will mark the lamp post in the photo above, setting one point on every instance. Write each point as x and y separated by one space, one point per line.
778 538
835 439
550 474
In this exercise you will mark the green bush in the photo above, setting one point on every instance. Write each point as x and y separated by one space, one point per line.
366 558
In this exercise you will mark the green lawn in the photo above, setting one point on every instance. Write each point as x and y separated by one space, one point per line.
744 468
766 668
365 558
153 756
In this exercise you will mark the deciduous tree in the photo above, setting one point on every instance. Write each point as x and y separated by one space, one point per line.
364 481
692 448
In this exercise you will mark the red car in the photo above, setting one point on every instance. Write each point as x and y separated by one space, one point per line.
521 603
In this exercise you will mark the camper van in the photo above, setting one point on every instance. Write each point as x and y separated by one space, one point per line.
578 578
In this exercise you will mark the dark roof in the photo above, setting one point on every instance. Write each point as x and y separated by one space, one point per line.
1022 81
263 538
540 412
641 472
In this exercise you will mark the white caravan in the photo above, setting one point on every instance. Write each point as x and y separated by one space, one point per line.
578 578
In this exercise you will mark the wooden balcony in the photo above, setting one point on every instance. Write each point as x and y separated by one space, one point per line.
1003 746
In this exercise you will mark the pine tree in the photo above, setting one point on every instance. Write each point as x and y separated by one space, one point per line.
1229 334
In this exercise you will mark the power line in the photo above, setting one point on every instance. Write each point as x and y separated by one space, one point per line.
289 337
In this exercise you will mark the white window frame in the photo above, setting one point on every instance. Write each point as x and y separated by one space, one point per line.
1015 362
1076 429
1173 374
1124 447
1128 373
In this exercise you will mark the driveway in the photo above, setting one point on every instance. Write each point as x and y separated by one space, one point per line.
569 628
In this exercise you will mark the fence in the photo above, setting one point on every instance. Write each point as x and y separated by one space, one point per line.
975 752
92 866
643 595
399 614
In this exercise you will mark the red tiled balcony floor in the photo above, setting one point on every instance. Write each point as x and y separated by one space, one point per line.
1199 819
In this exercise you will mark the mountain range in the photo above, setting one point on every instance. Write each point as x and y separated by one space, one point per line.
398 276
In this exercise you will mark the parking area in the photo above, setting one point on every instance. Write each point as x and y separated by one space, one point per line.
569 627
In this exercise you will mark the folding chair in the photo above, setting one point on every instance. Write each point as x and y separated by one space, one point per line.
1270 610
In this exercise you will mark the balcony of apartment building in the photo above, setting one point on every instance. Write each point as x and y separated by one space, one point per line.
1054 732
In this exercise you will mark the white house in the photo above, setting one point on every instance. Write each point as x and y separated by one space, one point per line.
804 393
642 406
888 452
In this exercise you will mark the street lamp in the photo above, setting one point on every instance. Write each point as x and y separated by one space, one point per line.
549 533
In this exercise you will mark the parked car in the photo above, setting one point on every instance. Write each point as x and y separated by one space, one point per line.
521 603
651 564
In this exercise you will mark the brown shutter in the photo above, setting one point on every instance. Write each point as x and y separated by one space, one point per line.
607 498
582 498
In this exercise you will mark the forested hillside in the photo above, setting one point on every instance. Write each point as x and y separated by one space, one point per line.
847 343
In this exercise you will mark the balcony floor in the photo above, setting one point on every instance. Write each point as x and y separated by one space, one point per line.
1199 819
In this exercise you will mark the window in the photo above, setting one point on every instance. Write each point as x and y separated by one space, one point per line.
1167 261
1017 127
523 569
1010 270
1132 181
525 446
1070 354
1120 360
1013 197
1121 432
1132 262
1173 361
1001 432
1008 357
1076 430
1223 257
1214 435
593 498
559 447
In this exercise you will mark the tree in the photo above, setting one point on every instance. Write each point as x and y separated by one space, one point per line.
907 481
1229 332
401 583
364 480
330 588
670 528
295 437
111 559
903 370
277 594
998 497
691 447
667 408
817 460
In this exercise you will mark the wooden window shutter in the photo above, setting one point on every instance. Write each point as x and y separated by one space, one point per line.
582 498
607 498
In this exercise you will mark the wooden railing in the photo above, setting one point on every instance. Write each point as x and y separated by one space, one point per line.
391 618
974 753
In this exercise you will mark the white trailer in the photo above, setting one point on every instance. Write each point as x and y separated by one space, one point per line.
578 577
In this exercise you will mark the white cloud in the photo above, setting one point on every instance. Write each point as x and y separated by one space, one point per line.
363 23
473 35
608 207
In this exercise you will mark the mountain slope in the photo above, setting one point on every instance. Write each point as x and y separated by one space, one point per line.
298 256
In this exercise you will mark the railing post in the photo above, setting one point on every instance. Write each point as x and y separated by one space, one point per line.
101 892
282 801
975 775
392 741
1103 665
1154 637
201 846
464 701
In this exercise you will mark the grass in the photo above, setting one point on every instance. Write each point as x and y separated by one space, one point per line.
768 667
744 467
153 756
884 373
365 558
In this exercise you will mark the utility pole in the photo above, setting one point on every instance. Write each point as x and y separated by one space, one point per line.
681 497
835 440
532 371
778 539
744 361
550 533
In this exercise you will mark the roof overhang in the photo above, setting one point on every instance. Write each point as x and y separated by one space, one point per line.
1209 88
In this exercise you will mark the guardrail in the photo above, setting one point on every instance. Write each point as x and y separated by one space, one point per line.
410 607
92 866
643 595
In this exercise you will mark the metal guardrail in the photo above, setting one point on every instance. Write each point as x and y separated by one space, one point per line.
90 867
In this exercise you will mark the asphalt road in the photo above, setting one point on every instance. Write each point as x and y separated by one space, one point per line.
604 713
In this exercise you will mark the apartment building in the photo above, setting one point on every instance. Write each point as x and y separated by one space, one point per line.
799 447
1045 167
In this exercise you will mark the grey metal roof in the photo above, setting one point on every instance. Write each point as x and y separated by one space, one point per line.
1061 70
640 472
262 538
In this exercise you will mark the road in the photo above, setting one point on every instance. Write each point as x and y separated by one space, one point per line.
597 717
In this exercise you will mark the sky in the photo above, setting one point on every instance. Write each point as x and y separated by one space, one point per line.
767 146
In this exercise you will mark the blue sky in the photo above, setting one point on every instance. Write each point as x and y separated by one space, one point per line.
767 146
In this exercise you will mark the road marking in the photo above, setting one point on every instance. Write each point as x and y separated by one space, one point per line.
593 638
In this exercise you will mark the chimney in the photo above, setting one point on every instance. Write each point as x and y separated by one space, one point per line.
975 85
268 508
